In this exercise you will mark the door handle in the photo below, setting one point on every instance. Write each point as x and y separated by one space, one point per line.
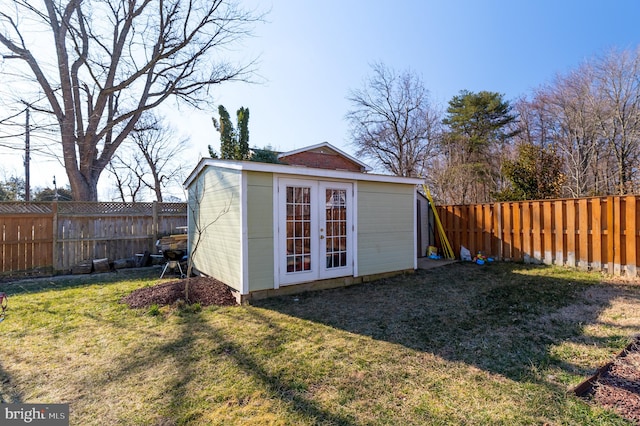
322 237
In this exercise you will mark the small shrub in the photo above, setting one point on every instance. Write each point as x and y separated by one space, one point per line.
154 310
187 308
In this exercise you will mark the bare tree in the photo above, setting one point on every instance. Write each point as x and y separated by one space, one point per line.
591 115
568 105
113 61
161 149
128 175
534 126
617 88
393 121
151 159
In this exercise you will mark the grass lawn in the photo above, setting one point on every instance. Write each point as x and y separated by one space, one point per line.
462 344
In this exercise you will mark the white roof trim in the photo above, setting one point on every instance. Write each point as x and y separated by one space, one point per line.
254 166
326 145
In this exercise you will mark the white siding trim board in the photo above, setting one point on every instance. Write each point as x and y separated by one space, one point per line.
244 236
415 230
276 233
354 212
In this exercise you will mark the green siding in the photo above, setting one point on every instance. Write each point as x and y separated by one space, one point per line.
385 227
260 233
385 234
219 252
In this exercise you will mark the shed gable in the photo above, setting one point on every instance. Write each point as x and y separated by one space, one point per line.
323 156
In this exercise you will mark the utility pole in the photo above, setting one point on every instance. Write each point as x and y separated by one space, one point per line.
27 155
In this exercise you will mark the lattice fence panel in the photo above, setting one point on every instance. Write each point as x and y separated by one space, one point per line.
60 235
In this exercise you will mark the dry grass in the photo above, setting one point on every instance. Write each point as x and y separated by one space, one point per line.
461 344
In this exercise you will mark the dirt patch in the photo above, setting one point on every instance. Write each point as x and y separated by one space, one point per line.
203 290
617 384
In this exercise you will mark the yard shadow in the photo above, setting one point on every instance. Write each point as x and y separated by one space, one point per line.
9 394
496 317
185 352
64 282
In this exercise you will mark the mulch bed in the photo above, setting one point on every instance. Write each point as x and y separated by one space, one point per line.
203 290
617 384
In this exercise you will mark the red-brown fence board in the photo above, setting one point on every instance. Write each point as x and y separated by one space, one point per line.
559 213
517 233
547 232
507 231
25 242
594 234
599 233
630 235
584 255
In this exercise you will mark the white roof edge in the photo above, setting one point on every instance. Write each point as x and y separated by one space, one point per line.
254 166
328 145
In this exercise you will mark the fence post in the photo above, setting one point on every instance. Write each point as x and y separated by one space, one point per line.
154 221
571 233
54 249
630 235
610 248
559 226
617 234
547 230
597 234
583 234
499 230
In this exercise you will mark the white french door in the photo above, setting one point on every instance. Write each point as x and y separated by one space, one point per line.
315 230
336 229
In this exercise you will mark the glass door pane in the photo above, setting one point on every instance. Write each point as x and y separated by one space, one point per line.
298 228
315 230
336 228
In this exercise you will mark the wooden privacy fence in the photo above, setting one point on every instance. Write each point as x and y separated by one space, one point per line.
57 236
599 233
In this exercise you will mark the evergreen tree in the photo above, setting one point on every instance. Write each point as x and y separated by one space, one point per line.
242 148
265 155
49 194
12 189
479 119
212 152
535 175
227 135
474 145
234 145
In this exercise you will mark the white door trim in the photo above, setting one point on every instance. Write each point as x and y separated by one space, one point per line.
326 269
280 258
318 269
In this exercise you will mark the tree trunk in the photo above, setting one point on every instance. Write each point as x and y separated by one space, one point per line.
157 184
82 188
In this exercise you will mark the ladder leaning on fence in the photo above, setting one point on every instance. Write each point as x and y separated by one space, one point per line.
447 251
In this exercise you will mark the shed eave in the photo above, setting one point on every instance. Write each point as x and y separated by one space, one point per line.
298 171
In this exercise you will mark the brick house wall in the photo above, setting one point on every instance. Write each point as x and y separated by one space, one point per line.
322 159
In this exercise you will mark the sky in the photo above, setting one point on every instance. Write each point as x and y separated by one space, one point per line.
314 53
311 54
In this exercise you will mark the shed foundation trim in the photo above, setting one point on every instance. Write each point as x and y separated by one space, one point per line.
314 286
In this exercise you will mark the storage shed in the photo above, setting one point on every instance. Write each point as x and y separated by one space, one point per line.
267 229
